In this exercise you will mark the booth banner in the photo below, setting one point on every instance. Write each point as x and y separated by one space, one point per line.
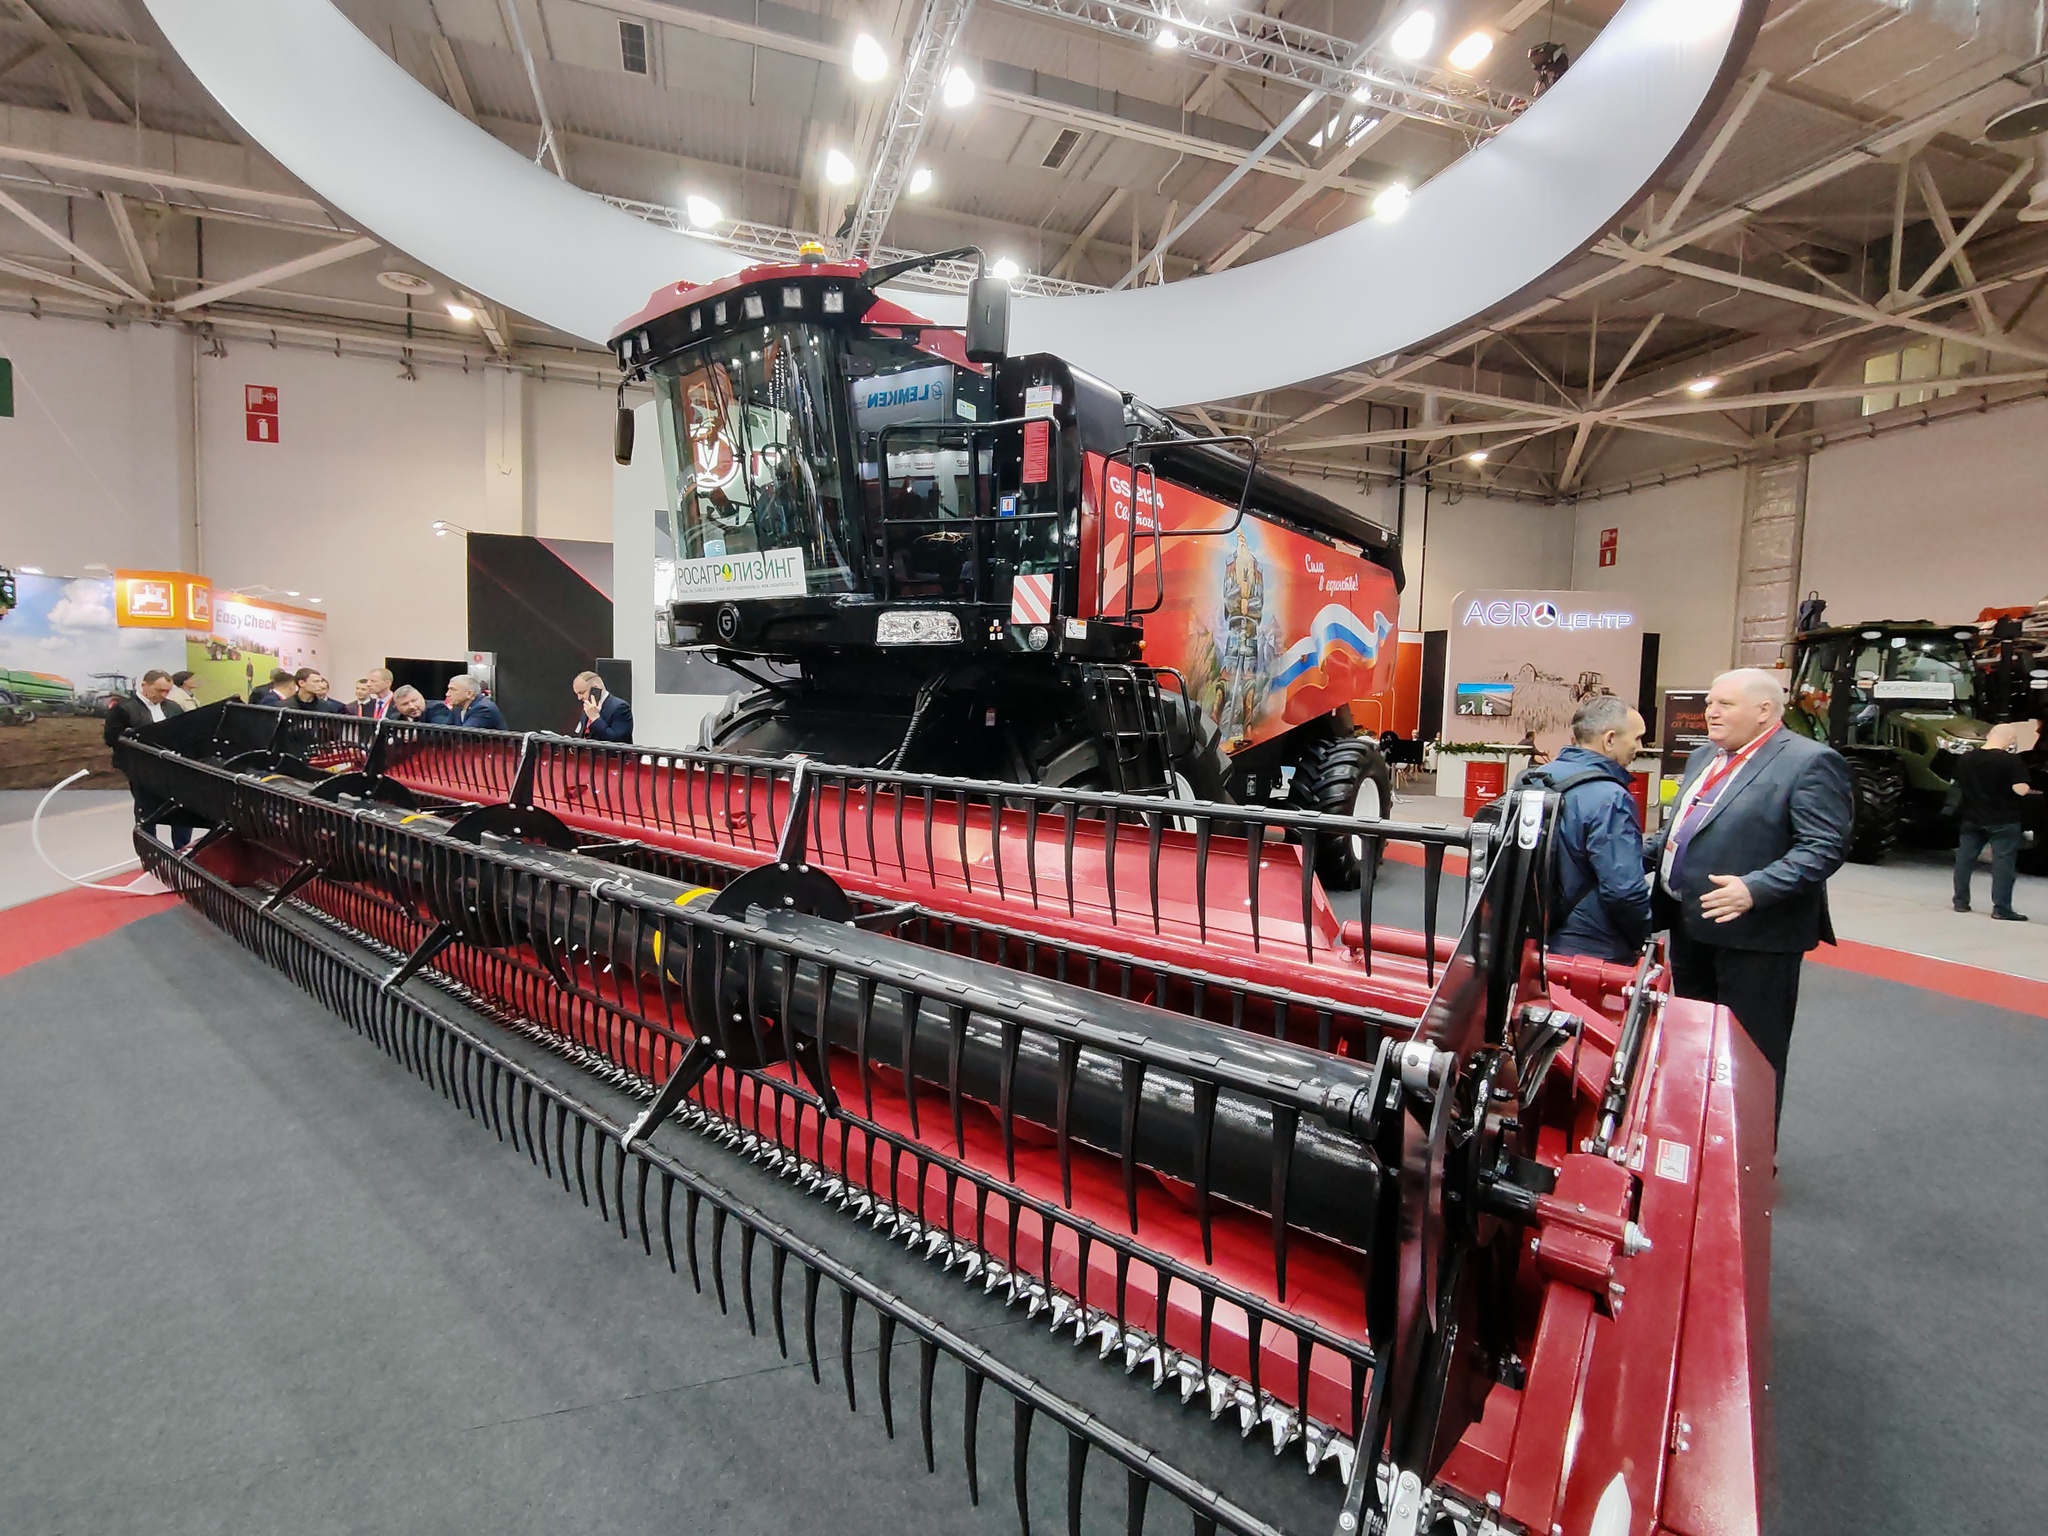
243 639
65 654
1683 728
1269 627
161 600
1519 663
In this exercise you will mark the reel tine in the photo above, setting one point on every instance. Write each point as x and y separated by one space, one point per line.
1031 846
1136 1487
1070 1061
640 1203
956 1048
1204 1525
1012 1034
1308 891
927 1361
561 1148
960 834
913 1005
1068 814
619 1187
668 1240
1020 1461
778 1262
597 1167
846 1316
1204 826
691 1200
1109 841
1077 1470
811 1279
1286 1122
1134 1089
1433 873
931 872
1368 883
862 1020
885 1324
582 1187
718 1253
1255 841
1205 1124
995 842
747 1275
970 1424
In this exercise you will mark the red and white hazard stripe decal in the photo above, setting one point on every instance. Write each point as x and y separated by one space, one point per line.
1031 599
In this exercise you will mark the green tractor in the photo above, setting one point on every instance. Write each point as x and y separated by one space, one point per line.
1897 698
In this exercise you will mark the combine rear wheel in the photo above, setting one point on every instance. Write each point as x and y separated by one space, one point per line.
1880 802
1345 777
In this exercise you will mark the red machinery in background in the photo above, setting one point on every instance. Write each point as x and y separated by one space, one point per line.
1481 1234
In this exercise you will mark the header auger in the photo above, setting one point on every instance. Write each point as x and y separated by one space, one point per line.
1464 1234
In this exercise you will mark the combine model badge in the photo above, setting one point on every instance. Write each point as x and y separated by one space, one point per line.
1031 599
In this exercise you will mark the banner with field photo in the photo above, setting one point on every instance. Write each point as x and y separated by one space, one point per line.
245 639
64 656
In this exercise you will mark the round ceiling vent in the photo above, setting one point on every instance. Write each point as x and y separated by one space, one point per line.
406 282
2020 122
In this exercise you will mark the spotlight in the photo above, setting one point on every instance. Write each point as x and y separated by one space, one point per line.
30 570
1004 268
1476 456
316 599
838 169
1412 38
958 90
1392 201
461 314
1168 39
869 61
291 594
920 181
1703 386
1472 51
703 213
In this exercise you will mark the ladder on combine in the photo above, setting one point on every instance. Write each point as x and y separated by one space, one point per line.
1123 707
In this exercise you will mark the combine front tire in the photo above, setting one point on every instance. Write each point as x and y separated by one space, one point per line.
1880 802
1345 777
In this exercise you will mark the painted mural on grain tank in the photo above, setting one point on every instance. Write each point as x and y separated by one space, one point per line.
1270 628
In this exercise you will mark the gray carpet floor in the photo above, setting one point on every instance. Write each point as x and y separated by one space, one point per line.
255 1278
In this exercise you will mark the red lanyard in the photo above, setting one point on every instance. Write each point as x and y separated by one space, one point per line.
1724 771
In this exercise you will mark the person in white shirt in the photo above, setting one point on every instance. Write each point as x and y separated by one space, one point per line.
149 704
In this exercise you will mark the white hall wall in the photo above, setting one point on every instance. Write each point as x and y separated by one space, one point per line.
96 468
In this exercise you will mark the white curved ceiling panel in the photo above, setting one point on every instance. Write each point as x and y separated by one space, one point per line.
345 119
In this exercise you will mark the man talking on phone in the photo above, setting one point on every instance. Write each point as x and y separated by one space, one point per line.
606 716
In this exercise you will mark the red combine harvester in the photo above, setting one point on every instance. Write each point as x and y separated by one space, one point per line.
999 567
1478 1237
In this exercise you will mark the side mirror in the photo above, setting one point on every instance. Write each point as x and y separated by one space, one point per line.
988 320
622 436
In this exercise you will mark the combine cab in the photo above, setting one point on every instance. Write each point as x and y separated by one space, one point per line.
1898 700
968 563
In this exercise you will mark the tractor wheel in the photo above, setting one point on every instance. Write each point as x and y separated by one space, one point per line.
743 710
1345 777
1199 764
1880 802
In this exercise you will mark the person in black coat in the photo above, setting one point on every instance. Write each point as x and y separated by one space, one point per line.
1762 819
309 692
149 703
273 693
606 716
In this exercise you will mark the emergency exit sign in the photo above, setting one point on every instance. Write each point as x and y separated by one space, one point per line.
6 387
259 412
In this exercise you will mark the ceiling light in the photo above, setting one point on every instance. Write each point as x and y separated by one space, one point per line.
1412 38
1003 268
920 181
316 599
291 594
958 90
838 169
405 282
869 61
703 213
1472 51
1364 126
1167 39
1476 456
1703 386
1362 93
461 314
30 570
1392 201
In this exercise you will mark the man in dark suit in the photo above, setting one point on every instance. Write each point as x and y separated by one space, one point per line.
150 702
274 692
606 716
465 704
1762 819
309 692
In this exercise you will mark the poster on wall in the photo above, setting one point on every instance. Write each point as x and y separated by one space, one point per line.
241 640
1269 627
65 654
1519 663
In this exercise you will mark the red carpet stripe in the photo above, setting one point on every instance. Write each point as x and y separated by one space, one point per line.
39 929
1971 983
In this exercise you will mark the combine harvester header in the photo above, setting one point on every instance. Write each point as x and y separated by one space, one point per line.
1479 1240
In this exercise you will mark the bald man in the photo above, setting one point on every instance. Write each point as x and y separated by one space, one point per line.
1762 819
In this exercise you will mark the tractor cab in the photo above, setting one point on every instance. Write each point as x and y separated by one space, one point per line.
1898 699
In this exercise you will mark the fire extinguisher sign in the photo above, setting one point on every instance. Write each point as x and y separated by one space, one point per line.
259 412
1610 541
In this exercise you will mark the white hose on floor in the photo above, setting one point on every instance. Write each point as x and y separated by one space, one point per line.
85 881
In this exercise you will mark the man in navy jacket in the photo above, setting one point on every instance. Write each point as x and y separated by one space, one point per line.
465 705
606 716
1601 905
